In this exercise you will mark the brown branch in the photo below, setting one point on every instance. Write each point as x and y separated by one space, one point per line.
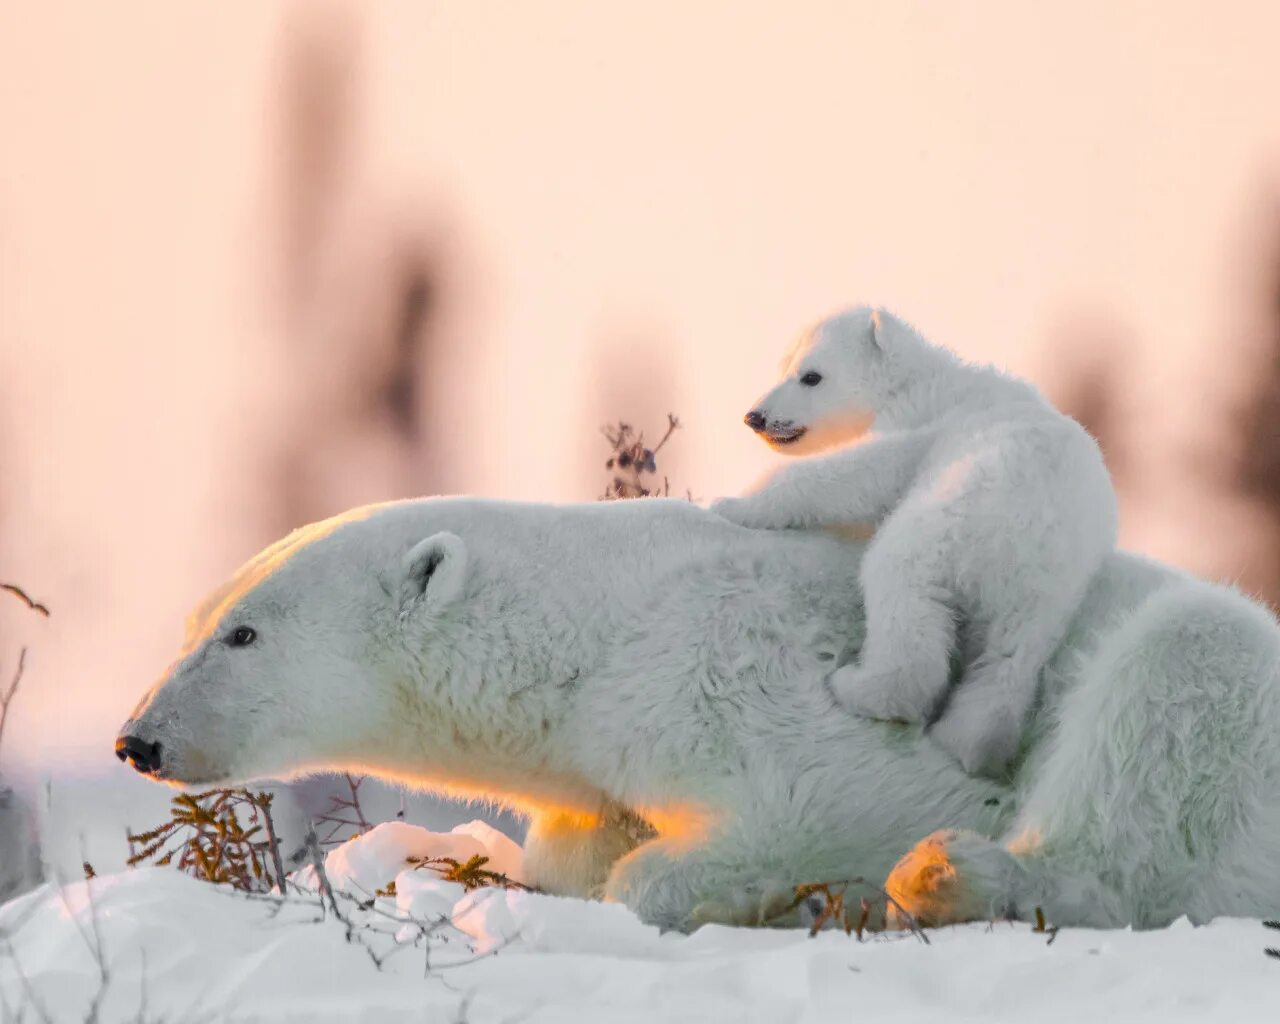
21 595
39 609
672 425
340 804
13 688
262 801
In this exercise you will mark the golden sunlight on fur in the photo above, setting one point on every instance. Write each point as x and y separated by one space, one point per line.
829 433
859 533
204 620
681 823
924 884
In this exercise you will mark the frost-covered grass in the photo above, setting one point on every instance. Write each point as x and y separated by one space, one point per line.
178 949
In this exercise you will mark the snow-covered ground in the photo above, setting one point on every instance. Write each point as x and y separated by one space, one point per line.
176 949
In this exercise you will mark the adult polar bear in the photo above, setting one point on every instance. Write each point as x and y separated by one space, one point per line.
596 665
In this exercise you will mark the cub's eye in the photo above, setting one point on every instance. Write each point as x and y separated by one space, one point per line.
811 379
243 636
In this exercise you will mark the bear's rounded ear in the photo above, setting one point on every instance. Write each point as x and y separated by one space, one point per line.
887 330
432 573
879 330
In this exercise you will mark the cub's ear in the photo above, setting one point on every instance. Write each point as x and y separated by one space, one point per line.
432 573
886 329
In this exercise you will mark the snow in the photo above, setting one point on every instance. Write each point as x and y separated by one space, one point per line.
367 863
179 949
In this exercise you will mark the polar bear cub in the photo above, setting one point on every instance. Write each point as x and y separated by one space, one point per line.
992 511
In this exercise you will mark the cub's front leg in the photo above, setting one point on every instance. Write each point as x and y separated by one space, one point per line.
859 484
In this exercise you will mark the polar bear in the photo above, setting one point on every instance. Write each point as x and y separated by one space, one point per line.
646 681
993 509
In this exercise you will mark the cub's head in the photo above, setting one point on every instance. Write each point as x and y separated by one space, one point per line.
836 378
284 669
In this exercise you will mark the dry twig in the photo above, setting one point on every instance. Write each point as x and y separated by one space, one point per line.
39 609
1041 928
25 598
834 908
7 698
345 812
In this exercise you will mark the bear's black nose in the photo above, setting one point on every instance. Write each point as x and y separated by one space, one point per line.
755 420
145 756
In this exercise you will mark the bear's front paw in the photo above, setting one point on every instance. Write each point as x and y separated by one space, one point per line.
951 877
768 903
742 511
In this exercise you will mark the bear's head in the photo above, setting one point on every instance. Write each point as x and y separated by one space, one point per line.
837 378
284 669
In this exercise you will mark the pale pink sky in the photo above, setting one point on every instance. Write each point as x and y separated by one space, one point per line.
643 203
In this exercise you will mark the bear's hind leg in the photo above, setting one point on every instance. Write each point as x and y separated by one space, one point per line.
1160 790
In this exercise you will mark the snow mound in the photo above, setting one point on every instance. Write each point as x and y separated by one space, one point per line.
179 949
369 862
495 917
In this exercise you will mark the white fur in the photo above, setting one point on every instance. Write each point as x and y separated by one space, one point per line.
994 512
646 681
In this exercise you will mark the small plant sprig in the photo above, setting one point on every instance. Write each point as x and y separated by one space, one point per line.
471 874
834 907
1042 927
209 842
630 461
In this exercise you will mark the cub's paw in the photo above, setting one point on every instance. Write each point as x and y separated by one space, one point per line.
951 877
750 512
984 740
873 694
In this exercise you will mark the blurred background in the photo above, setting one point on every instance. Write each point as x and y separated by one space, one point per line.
260 262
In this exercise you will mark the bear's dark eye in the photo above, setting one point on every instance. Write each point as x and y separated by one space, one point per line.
811 379
242 636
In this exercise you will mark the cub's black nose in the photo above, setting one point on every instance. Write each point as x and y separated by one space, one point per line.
755 420
145 756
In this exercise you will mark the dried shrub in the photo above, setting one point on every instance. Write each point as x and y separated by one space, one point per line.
205 838
631 464
833 908
836 908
